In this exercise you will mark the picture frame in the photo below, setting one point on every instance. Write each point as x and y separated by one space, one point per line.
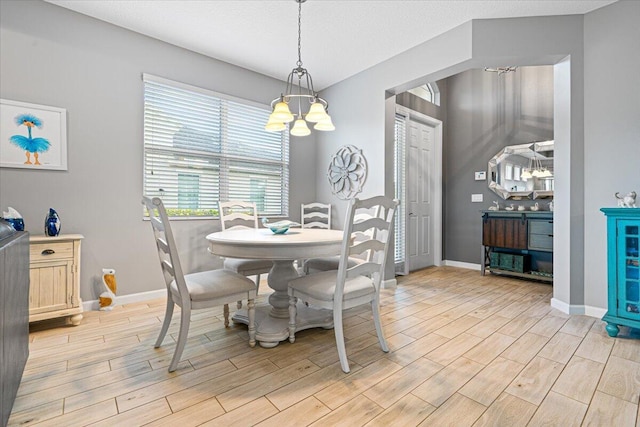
32 136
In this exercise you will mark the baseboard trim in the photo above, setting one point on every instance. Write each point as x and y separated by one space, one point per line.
127 299
389 284
594 311
566 308
585 310
460 264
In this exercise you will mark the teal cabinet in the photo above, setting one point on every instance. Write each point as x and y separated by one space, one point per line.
623 259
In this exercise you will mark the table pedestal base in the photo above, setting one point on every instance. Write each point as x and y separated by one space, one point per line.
271 330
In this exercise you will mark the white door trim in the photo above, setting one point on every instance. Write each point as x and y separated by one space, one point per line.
437 177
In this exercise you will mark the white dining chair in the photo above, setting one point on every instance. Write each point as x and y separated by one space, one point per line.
314 265
235 215
348 287
315 215
193 291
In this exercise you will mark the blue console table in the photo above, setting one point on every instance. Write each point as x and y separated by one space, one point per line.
623 235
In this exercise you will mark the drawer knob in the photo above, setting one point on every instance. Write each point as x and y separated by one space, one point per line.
48 252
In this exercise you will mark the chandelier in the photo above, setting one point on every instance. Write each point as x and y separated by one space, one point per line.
535 169
501 70
299 94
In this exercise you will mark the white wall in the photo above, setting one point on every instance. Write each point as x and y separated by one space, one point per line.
612 128
53 56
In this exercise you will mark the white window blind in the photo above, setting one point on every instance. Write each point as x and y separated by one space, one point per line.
201 147
400 189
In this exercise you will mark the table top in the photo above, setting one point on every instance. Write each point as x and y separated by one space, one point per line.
261 243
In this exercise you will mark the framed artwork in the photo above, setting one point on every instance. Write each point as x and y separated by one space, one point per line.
32 136
347 172
508 171
516 173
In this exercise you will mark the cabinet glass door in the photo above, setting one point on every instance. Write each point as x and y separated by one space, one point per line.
628 269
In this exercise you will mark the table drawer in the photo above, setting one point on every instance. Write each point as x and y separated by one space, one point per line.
50 251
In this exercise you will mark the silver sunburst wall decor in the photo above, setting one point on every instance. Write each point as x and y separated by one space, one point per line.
347 172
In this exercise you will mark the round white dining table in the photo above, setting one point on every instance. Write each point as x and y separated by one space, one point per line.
272 320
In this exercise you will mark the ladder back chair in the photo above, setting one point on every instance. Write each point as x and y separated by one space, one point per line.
315 215
314 265
236 214
348 287
193 291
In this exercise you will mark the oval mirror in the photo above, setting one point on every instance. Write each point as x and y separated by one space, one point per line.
523 171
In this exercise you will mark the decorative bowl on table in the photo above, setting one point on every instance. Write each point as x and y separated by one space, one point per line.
279 227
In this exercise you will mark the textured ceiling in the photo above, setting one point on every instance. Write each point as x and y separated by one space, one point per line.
340 38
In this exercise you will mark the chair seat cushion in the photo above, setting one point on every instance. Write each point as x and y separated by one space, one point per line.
214 284
240 265
329 263
322 286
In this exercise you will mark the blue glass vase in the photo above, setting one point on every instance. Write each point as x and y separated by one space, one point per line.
52 223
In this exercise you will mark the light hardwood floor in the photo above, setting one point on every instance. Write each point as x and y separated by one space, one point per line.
466 350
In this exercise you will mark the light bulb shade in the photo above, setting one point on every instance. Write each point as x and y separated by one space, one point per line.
537 173
316 113
526 174
325 124
281 113
300 128
274 126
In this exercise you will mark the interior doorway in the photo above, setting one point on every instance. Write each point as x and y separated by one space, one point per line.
419 188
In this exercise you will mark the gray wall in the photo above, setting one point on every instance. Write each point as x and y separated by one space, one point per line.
596 61
53 56
612 128
485 113
360 102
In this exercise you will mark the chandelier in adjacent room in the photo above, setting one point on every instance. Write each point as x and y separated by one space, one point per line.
300 96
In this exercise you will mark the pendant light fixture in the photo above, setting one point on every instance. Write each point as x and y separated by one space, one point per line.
301 96
535 169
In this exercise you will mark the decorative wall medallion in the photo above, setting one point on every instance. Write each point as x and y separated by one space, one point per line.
347 172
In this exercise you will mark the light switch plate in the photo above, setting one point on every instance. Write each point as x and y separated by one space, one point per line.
476 198
481 176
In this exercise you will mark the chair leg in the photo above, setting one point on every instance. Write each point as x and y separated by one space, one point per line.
251 311
257 281
168 313
185 320
342 351
293 312
375 308
226 314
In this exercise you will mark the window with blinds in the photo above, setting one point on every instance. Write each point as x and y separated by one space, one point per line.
201 147
400 189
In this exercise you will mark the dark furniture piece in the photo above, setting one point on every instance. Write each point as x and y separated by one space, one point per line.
14 313
623 278
518 243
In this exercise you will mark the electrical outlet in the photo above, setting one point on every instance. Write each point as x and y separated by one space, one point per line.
476 198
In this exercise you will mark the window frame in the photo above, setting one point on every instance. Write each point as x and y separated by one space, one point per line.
225 164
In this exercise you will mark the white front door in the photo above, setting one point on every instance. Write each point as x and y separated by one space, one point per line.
420 191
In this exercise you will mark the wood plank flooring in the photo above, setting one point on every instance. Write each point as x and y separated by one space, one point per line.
466 350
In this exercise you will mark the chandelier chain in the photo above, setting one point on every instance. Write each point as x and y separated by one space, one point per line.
299 63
